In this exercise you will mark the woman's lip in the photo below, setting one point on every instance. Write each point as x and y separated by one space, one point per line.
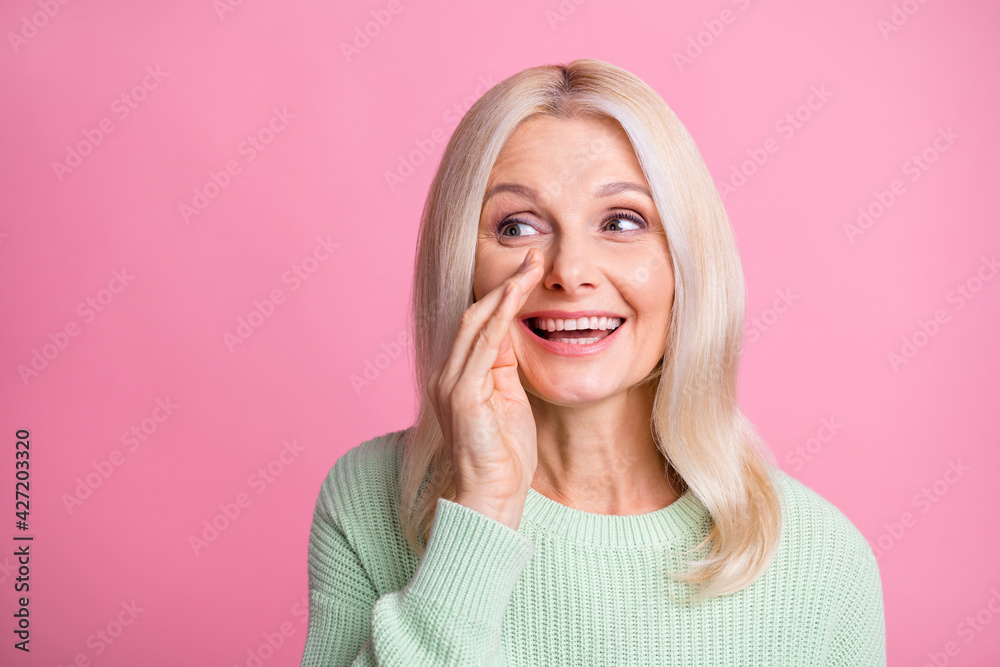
567 315
571 349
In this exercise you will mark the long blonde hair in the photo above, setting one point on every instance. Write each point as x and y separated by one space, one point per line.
711 446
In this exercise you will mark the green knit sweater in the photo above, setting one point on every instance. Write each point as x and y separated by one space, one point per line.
574 588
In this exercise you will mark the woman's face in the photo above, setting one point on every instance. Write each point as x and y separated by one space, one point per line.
574 190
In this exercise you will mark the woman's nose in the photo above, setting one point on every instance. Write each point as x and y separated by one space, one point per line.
571 263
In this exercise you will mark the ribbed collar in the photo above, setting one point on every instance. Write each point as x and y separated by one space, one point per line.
677 521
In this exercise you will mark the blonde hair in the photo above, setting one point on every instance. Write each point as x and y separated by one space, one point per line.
696 421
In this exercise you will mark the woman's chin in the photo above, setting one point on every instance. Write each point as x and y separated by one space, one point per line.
566 391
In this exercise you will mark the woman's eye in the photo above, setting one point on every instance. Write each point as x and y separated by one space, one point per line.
621 222
626 220
511 229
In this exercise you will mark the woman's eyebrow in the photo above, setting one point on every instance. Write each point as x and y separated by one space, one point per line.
606 190
621 186
523 190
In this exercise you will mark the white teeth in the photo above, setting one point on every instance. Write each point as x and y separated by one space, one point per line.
594 323
577 341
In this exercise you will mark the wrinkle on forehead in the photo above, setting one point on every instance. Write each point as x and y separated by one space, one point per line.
577 154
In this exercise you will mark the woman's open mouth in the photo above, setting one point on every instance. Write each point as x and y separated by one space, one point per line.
572 337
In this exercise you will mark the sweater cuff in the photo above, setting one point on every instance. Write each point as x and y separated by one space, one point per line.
471 564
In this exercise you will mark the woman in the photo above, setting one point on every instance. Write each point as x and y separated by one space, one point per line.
580 486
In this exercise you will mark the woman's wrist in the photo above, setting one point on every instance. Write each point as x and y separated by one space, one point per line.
507 511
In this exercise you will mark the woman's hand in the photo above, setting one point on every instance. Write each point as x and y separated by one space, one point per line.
481 406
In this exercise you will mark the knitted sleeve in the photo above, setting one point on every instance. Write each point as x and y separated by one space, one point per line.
859 631
450 612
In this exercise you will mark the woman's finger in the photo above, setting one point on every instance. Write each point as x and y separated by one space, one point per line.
474 319
486 347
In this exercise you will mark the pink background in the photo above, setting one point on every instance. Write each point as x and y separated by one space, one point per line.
818 376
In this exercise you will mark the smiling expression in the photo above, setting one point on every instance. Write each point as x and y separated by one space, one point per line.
573 189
